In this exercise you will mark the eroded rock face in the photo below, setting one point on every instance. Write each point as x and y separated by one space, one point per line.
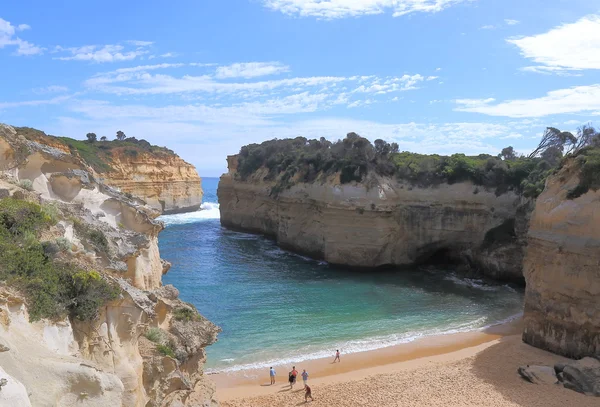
106 361
166 183
380 222
562 270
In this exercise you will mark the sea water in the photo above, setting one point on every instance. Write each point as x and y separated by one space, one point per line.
276 307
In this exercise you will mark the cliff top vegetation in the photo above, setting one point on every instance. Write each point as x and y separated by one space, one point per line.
54 286
301 160
97 153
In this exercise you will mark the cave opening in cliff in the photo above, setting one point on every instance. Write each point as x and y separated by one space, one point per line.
441 256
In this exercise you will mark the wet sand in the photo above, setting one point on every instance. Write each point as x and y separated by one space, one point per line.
468 369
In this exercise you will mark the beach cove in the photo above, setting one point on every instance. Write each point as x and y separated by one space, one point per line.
463 370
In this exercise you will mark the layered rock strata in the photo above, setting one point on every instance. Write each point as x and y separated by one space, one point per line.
166 182
562 269
381 221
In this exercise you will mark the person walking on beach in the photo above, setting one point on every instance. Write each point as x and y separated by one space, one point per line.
308 394
304 377
294 375
272 374
291 379
337 356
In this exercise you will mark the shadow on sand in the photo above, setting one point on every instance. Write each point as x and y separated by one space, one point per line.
497 366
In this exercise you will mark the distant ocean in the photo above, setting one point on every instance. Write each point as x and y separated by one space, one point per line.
276 307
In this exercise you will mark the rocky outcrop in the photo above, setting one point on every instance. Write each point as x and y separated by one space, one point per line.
111 360
380 221
165 182
583 375
153 174
562 269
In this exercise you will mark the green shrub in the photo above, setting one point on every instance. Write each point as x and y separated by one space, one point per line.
154 335
185 314
52 289
130 152
51 211
301 160
165 350
18 216
63 244
98 239
588 160
26 184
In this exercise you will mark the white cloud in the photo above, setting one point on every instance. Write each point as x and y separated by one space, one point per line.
574 46
55 100
549 70
51 89
251 70
578 99
512 136
332 9
493 27
8 38
168 55
140 43
396 84
100 54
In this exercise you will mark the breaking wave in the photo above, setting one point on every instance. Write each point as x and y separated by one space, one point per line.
208 211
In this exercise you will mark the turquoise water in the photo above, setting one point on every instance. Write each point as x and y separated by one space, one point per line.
276 307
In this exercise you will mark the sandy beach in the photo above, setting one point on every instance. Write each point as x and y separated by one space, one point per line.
467 369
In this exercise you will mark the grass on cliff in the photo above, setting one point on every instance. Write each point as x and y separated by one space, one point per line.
302 160
97 154
185 314
588 161
53 289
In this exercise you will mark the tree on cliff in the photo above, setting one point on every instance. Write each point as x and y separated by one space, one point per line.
508 153
554 138
103 138
120 135
586 136
91 137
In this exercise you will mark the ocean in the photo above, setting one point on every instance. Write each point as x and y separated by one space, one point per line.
276 307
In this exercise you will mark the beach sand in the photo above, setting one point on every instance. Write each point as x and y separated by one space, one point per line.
470 369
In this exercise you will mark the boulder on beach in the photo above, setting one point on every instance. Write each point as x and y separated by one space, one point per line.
582 375
538 374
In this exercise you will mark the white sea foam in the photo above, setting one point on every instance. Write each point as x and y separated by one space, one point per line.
363 345
208 211
476 283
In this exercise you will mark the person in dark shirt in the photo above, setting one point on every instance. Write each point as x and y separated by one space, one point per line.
308 394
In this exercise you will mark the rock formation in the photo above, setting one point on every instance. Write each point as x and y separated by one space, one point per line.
157 175
165 182
145 348
562 269
381 221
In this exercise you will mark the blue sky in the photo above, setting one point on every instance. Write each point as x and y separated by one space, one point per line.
206 77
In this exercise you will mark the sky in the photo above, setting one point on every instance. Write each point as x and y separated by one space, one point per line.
207 77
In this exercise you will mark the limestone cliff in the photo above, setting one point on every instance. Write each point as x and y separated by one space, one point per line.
562 269
144 348
157 175
380 221
165 182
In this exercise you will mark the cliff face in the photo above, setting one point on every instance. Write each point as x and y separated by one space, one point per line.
379 222
166 183
157 175
562 269
136 351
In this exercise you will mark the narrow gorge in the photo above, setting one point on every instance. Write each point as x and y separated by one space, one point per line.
84 317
